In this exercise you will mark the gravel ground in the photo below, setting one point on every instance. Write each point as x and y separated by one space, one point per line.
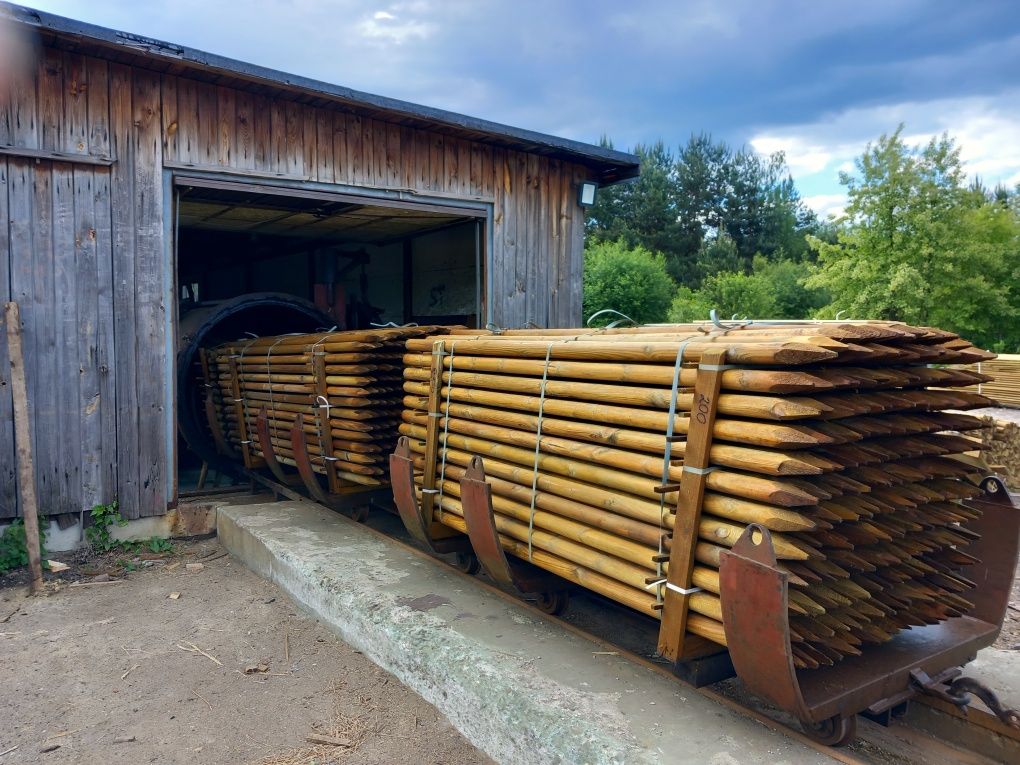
227 672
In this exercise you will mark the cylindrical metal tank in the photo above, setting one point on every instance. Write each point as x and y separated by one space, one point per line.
208 324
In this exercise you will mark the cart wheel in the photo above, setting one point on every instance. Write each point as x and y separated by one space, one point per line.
360 513
468 563
836 731
553 603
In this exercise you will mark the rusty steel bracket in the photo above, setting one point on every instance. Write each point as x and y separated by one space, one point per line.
216 428
413 517
303 460
754 598
266 445
355 502
549 592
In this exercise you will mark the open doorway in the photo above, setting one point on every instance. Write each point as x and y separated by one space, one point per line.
332 259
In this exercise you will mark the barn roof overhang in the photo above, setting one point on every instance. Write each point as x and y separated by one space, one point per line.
608 165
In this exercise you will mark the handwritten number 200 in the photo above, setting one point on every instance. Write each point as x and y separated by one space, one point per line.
704 406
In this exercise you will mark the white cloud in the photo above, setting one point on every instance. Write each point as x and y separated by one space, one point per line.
827 205
392 27
986 129
802 155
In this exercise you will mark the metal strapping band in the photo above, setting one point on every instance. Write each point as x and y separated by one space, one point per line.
673 587
623 317
717 367
681 590
446 424
430 491
318 428
698 471
668 453
317 343
326 457
269 371
538 448
244 401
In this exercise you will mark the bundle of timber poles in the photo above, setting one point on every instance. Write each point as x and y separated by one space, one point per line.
830 434
345 385
1004 382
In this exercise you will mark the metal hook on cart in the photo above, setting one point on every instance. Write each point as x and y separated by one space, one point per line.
960 691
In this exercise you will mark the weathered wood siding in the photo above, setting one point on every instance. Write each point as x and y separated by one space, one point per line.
538 227
83 245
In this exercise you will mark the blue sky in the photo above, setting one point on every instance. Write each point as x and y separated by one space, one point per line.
817 80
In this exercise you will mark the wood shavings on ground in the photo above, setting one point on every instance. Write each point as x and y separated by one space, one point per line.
329 743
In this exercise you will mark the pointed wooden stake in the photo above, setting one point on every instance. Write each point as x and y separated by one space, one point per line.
23 442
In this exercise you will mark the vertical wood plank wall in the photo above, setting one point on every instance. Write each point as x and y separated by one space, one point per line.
82 246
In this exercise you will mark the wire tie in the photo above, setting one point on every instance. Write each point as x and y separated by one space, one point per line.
446 425
668 453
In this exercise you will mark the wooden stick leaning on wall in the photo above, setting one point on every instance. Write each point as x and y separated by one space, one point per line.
23 443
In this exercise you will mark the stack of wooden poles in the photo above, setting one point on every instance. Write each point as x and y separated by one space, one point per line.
346 385
831 435
1004 385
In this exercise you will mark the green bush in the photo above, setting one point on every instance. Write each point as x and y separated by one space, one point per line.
13 550
688 306
773 290
632 281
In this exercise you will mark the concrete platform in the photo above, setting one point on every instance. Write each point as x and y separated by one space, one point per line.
521 688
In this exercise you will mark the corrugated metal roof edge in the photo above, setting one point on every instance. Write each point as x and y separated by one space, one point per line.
612 164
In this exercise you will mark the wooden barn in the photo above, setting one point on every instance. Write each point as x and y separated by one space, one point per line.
140 179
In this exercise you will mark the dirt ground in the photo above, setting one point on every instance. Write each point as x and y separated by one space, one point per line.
227 672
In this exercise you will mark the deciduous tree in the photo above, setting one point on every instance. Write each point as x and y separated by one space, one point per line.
917 245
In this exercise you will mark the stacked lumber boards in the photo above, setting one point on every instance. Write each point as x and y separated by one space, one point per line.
345 385
1004 385
828 434
1000 448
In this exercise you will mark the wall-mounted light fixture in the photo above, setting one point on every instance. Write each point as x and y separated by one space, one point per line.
586 193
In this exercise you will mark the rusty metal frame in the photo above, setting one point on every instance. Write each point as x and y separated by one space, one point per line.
303 461
754 597
265 438
520 576
216 428
434 537
212 411
353 499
